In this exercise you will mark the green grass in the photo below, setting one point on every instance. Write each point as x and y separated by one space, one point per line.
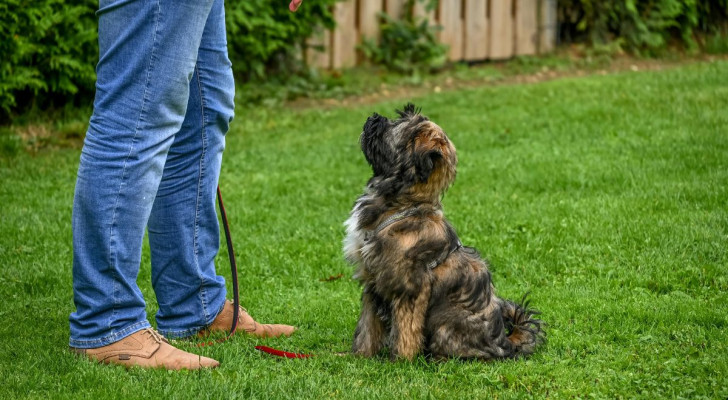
606 197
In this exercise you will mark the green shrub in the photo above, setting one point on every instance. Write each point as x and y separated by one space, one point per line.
641 25
48 50
716 43
265 39
408 45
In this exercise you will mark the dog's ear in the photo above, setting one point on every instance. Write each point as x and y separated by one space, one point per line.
409 111
375 124
425 163
375 150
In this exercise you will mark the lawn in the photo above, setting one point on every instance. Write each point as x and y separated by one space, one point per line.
606 197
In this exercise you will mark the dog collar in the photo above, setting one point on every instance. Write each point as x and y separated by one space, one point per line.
455 244
394 218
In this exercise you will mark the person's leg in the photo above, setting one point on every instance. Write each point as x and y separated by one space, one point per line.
183 230
147 56
184 234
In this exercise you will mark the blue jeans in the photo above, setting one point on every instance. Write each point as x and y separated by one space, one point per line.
151 160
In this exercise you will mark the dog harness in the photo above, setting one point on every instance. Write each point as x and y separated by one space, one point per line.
454 246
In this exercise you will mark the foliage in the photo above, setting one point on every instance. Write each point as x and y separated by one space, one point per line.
717 44
641 25
265 38
407 45
49 47
48 50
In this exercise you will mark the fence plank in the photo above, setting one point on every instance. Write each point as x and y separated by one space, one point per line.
547 26
394 8
501 29
368 20
345 37
526 27
318 53
476 30
452 28
420 11
473 29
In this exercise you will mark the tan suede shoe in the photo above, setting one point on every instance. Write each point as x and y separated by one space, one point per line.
147 349
224 321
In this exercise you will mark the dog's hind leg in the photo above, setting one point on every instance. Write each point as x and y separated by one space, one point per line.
369 334
407 334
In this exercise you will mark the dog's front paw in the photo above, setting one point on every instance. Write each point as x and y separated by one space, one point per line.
358 349
405 351
401 357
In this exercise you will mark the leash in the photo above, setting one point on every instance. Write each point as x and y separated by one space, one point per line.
236 292
233 264
233 272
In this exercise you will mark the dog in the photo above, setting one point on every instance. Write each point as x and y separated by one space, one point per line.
423 291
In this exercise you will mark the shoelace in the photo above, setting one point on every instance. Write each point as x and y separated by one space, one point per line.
155 335
255 323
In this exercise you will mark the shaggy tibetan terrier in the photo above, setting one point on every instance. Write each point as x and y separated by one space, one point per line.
423 291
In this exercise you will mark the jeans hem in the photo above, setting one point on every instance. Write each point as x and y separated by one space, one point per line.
184 333
109 339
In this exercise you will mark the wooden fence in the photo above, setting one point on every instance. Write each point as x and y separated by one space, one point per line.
473 29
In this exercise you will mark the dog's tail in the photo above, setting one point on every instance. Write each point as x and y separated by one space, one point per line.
524 331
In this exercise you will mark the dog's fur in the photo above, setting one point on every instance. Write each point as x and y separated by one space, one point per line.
422 290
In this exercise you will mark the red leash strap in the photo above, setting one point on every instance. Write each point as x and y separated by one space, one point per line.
281 353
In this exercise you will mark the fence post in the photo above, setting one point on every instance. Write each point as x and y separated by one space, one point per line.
369 19
476 30
395 8
345 38
501 29
452 28
547 21
421 11
526 27
318 48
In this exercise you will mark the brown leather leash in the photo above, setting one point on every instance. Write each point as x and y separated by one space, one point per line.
233 264
233 272
236 292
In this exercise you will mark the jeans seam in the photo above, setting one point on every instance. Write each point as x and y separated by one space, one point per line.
145 100
203 139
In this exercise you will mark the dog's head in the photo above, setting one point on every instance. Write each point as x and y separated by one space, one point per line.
409 155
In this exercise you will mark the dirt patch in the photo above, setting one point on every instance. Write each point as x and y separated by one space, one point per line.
35 137
446 82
